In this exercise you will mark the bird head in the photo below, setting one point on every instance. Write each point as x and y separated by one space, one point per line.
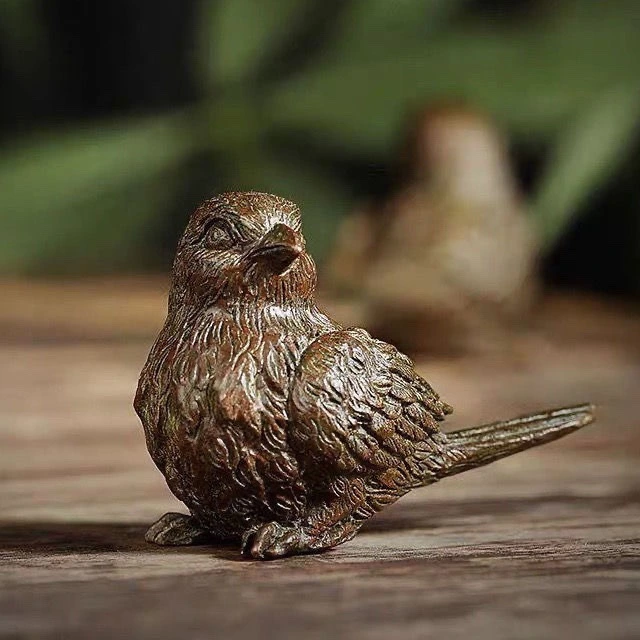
461 151
243 248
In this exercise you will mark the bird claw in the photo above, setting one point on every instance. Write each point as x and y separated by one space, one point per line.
176 529
272 540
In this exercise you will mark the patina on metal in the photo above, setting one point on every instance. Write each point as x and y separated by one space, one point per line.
277 427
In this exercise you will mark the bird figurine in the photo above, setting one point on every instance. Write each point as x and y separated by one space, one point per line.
447 262
277 427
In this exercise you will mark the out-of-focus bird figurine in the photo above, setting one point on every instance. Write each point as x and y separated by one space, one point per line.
448 261
274 425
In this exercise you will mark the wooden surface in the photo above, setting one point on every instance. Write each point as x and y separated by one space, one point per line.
542 545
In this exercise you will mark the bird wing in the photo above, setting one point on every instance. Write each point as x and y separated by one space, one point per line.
358 407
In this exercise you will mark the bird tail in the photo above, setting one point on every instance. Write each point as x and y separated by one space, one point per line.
489 442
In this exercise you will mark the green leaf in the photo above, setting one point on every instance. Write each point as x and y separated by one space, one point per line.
47 183
531 79
237 35
115 235
365 27
585 156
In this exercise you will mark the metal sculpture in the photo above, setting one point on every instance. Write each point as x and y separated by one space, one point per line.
276 426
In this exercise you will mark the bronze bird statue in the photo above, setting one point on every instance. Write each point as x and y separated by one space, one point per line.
447 262
274 425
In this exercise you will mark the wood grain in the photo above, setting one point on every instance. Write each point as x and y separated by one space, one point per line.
545 544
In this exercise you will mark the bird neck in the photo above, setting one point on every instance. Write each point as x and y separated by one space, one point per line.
301 316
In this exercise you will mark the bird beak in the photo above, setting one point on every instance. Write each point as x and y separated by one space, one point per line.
277 249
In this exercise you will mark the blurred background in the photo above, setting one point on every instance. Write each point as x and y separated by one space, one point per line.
119 117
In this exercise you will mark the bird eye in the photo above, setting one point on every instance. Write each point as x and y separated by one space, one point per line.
217 237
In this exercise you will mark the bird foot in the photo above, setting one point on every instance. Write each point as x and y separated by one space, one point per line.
177 529
274 540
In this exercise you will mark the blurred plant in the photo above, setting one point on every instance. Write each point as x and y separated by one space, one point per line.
272 115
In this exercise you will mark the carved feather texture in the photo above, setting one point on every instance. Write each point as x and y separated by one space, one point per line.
359 408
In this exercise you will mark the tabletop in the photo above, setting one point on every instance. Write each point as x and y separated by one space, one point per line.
543 544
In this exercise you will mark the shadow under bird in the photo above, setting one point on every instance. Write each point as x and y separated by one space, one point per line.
274 425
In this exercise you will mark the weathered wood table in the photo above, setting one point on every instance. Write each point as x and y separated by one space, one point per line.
542 545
